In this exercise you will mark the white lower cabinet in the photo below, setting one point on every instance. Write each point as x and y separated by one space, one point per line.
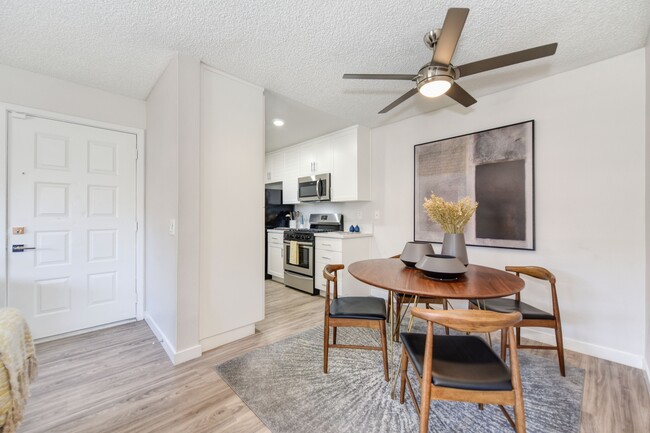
275 258
341 251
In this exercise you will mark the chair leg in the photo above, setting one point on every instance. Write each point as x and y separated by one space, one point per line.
520 417
504 344
518 336
333 334
384 347
326 345
425 404
560 348
403 378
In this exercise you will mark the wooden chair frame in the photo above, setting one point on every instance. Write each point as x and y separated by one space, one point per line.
555 323
330 274
466 321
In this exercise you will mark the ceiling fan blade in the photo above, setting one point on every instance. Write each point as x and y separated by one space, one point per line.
399 100
459 94
406 77
506 60
451 30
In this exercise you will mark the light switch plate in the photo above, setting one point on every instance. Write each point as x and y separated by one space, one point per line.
172 226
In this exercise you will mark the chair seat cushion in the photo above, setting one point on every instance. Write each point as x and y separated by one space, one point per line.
505 305
460 361
358 307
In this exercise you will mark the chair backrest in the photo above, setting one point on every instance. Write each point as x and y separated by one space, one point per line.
541 274
469 320
331 276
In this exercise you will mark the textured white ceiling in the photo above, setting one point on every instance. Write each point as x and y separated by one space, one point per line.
300 49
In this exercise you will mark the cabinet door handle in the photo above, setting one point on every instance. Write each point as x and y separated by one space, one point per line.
326 258
326 245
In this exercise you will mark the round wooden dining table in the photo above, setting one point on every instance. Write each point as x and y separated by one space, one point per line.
479 282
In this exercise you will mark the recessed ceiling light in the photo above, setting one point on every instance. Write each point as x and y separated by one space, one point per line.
278 122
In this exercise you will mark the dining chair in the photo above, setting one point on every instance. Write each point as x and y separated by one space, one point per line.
351 311
399 299
462 367
532 317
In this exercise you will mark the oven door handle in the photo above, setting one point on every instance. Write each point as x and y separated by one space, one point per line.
302 244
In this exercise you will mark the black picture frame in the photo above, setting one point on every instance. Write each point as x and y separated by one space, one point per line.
495 167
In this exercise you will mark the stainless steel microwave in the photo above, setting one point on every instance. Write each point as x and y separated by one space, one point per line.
314 188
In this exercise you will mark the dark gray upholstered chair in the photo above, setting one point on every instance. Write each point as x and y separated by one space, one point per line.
462 367
356 311
532 317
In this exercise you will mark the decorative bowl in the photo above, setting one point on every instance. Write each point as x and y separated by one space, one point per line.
414 251
441 267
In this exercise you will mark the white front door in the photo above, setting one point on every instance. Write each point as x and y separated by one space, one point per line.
71 224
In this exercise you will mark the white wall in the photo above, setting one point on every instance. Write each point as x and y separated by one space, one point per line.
647 203
161 206
34 90
232 207
189 148
172 269
589 196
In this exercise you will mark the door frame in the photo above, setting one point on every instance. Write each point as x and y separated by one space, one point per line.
5 112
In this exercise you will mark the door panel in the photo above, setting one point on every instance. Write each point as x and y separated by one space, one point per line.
72 188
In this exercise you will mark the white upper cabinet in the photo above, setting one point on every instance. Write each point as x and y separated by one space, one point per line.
345 154
315 157
351 164
274 167
291 175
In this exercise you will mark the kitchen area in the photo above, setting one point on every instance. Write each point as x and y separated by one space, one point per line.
307 186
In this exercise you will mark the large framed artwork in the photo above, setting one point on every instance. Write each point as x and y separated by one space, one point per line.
495 168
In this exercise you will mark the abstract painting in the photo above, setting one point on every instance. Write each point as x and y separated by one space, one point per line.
493 167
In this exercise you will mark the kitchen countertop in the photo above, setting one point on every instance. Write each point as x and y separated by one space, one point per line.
343 235
277 230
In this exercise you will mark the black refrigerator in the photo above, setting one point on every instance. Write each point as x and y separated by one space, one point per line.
275 216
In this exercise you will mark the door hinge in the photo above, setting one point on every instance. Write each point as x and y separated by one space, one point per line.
17 115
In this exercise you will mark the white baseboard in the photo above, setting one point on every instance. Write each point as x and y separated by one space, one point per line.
227 337
187 354
625 358
169 348
174 356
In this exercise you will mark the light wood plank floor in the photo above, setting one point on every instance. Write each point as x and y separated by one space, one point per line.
120 380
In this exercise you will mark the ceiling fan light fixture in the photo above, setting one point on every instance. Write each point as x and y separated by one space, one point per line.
435 86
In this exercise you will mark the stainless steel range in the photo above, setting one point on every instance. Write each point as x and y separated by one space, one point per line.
299 266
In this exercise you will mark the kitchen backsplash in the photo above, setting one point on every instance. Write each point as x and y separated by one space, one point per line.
354 213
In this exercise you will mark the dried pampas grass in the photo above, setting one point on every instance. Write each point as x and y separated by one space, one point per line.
451 216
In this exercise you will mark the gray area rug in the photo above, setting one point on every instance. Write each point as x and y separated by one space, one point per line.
284 385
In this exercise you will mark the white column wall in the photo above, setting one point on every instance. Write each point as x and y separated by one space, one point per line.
161 206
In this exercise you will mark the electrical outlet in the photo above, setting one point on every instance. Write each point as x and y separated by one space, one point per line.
359 215
377 215
172 226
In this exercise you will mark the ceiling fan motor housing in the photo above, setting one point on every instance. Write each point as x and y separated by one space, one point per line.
430 73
